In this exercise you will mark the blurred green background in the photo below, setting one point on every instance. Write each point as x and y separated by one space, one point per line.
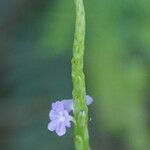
36 39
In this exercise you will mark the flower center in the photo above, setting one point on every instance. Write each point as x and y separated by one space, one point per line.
61 117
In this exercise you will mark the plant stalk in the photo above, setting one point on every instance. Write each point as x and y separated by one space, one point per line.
81 136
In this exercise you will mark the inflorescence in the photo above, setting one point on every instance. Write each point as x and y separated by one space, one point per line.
60 117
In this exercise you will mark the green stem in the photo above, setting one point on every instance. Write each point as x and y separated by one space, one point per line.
79 91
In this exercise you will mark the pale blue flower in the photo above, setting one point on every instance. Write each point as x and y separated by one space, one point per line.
59 115
60 118
68 103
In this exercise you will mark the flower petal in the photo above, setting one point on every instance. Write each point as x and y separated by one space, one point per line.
52 126
67 123
89 100
58 106
68 104
53 115
61 129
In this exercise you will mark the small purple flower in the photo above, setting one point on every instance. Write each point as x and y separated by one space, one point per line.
60 118
68 103
59 115
89 100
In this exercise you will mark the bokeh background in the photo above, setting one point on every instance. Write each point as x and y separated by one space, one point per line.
36 40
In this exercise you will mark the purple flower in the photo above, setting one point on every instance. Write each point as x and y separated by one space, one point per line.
68 103
59 115
89 100
60 118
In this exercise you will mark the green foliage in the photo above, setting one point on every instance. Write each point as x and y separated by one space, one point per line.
118 67
58 25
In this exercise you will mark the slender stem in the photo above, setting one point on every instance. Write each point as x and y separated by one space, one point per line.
79 91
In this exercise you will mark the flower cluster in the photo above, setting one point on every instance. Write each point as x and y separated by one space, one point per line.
59 115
